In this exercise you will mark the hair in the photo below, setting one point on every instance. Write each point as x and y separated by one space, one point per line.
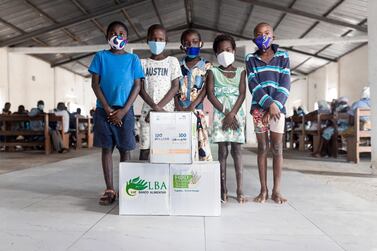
154 27
221 38
40 102
190 31
261 24
115 23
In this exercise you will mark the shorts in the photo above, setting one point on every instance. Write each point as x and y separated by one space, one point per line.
273 126
109 136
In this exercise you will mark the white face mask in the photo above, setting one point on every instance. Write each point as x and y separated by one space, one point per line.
225 58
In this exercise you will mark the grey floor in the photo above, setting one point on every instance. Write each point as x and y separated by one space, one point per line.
55 207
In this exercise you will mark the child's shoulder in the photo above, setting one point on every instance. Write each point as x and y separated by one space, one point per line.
281 53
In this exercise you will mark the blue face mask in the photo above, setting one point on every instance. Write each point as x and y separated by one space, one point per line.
192 52
156 47
263 42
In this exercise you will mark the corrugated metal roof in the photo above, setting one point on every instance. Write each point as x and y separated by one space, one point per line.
237 17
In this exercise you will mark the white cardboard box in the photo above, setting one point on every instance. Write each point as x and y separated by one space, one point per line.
195 189
173 137
143 188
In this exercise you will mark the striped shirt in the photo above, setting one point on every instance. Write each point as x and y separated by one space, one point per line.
269 82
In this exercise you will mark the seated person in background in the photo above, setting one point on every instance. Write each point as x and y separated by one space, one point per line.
6 109
37 125
364 102
57 141
21 125
327 133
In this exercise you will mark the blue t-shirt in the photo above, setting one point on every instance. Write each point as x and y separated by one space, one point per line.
117 73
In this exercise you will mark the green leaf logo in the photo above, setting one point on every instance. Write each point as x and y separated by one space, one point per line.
134 185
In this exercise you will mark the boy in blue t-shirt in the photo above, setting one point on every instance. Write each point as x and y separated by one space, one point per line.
116 78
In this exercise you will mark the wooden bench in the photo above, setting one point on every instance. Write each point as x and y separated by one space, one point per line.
10 135
84 135
353 142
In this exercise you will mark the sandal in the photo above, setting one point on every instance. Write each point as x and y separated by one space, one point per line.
108 197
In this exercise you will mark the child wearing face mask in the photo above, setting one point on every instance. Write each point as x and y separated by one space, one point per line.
116 78
192 89
269 82
226 89
162 74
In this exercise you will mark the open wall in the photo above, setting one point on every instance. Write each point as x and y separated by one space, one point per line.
25 79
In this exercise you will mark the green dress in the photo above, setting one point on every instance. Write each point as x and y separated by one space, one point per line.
227 91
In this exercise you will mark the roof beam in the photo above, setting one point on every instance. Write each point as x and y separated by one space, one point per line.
250 13
125 14
93 20
157 12
76 20
283 15
218 12
188 9
48 17
305 14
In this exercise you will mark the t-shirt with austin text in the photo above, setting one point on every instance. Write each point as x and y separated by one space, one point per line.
158 76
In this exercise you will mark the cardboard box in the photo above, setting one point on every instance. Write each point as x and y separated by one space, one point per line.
143 188
173 137
195 189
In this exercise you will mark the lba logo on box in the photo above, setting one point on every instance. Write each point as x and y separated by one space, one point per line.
137 186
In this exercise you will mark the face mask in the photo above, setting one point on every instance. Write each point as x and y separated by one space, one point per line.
225 58
117 42
40 107
156 47
263 42
192 52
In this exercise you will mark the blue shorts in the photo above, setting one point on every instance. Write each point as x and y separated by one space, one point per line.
108 136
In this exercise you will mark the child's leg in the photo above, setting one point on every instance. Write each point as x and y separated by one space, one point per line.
124 155
262 139
144 154
223 155
236 154
277 153
107 166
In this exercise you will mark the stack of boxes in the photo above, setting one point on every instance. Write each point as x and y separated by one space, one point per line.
174 182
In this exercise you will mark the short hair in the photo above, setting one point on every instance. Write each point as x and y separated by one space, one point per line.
154 27
221 38
40 102
190 31
116 23
262 24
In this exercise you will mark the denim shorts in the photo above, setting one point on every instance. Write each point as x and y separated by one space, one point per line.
109 136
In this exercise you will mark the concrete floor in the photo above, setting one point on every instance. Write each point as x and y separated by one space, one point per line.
54 206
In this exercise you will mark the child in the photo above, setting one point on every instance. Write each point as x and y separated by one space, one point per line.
191 88
162 75
116 83
226 90
269 82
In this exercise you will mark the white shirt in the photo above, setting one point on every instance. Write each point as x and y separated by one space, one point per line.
158 76
65 116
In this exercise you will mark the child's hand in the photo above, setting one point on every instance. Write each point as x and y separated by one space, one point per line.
228 121
157 108
274 111
108 110
266 118
116 117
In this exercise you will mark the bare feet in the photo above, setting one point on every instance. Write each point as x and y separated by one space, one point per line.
278 198
262 197
241 198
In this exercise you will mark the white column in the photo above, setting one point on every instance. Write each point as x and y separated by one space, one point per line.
250 135
372 73
4 77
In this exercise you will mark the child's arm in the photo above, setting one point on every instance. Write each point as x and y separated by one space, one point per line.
211 92
282 92
170 94
178 107
99 94
198 100
145 96
117 116
230 120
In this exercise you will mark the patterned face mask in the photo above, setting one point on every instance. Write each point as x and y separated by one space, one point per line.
117 42
263 42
